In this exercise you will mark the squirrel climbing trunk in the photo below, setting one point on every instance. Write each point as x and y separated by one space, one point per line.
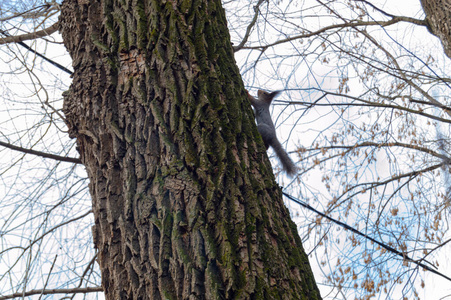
267 129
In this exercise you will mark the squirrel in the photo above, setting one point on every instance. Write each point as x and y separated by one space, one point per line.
267 130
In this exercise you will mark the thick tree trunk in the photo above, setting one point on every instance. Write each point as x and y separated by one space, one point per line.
438 17
184 199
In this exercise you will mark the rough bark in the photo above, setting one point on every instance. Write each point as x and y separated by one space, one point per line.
438 17
184 199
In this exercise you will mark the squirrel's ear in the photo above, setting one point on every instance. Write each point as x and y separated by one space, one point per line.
275 93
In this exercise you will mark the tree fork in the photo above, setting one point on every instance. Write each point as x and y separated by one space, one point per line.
184 198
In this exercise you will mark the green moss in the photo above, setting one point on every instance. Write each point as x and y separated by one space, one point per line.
250 224
209 235
174 117
199 44
112 64
101 46
120 19
180 225
115 128
167 225
142 27
108 8
213 273
167 294
190 155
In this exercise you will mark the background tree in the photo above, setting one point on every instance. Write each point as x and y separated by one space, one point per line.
365 108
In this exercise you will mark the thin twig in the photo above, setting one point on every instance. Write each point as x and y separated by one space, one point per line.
30 36
249 27
346 226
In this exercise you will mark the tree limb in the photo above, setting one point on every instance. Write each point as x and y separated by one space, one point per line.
34 12
403 255
352 24
30 36
249 27
385 145
85 290
372 104
41 154
21 43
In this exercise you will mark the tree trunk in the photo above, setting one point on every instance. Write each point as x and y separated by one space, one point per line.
438 17
184 199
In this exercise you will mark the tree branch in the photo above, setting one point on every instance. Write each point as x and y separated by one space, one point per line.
403 255
85 290
385 145
375 184
372 104
47 232
394 20
33 13
401 73
30 36
249 27
401 18
21 43
41 154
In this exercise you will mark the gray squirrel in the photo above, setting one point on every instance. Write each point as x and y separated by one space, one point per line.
267 130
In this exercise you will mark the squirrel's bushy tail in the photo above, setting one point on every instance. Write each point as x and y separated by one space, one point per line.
288 165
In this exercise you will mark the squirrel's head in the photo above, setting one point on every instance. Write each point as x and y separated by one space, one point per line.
266 96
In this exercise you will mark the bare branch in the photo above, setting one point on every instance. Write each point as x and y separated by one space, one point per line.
380 145
403 75
249 27
374 104
30 36
48 276
49 231
41 154
34 12
352 24
403 255
21 43
85 290
429 103
402 18
372 185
